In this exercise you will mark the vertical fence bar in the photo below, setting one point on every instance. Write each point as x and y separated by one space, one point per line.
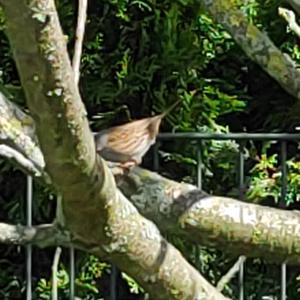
155 156
283 281
241 196
199 165
284 184
72 272
29 247
199 183
113 282
156 168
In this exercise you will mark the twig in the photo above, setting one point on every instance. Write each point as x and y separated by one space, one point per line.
54 273
230 274
82 8
290 18
41 235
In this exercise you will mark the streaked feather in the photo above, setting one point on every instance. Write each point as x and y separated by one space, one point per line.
129 142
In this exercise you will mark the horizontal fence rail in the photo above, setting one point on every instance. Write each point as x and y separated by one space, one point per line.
230 136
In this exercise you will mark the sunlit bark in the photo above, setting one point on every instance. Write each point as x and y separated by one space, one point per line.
96 213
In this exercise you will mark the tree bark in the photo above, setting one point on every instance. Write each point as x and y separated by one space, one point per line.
42 236
99 217
180 209
17 131
228 224
96 213
295 4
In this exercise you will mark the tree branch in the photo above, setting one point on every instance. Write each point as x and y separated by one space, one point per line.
41 236
295 4
230 274
176 203
172 208
17 130
99 217
234 226
19 159
290 18
258 46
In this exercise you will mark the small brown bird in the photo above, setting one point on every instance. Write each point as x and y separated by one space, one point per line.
127 144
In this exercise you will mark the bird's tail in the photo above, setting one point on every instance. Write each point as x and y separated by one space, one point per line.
170 108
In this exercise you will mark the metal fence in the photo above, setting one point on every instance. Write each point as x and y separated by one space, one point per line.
198 138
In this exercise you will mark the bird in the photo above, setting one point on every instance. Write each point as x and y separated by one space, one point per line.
126 144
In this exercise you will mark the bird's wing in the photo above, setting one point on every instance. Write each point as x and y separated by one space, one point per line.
105 146
125 139
128 141
114 156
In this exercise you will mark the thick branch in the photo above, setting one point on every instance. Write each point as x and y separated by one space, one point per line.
96 213
170 205
53 98
257 45
224 223
100 217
